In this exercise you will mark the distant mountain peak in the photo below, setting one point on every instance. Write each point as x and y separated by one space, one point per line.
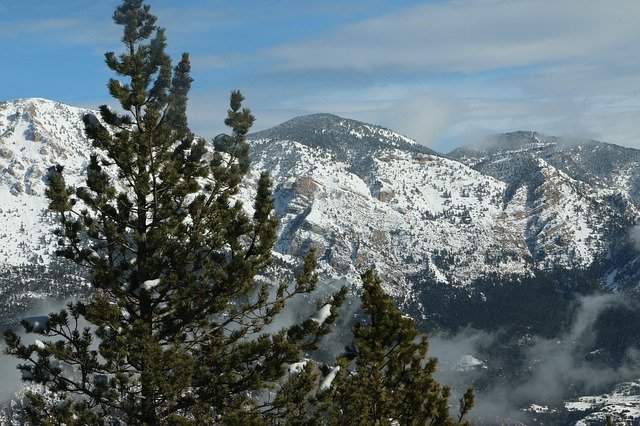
318 122
348 140
35 103
510 141
318 116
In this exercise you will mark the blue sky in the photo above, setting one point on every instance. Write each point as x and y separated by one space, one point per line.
445 73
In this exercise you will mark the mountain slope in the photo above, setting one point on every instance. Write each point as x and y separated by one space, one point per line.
35 134
592 184
435 212
366 196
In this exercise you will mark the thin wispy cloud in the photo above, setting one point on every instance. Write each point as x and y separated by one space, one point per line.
214 62
472 36
71 23
35 26
560 67
552 370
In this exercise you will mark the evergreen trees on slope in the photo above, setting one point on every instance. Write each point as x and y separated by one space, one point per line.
174 331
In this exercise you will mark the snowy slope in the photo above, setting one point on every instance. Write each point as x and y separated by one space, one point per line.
622 404
404 213
35 134
366 196
582 197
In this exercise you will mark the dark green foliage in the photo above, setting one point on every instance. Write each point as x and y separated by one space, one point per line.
392 380
20 287
467 402
540 304
615 334
174 332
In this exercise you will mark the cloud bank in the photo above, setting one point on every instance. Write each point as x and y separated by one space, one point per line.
552 370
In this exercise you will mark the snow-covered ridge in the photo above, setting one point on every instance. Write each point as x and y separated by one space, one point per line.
364 195
400 214
407 211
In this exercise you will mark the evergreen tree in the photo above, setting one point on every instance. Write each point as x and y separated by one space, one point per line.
392 380
174 332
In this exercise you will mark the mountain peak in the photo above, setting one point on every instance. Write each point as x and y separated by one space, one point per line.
505 142
318 116
318 122
34 112
349 140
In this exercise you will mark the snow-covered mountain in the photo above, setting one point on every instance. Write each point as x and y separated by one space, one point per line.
583 197
622 404
365 196
503 234
442 230
381 200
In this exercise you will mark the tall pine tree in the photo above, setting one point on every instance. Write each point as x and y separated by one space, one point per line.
174 333
391 381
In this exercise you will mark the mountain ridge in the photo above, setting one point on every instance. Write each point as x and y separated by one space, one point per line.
419 192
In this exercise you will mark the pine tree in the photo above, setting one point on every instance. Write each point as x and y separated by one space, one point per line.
174 332
392 380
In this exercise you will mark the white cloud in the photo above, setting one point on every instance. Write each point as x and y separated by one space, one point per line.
610 119
550 369
207 111
439 72
71 31
424 117
438 120
565 67
471 36
33 26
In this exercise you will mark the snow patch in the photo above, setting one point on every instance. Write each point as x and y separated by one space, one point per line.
326 382
321 315
297 367
150 284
